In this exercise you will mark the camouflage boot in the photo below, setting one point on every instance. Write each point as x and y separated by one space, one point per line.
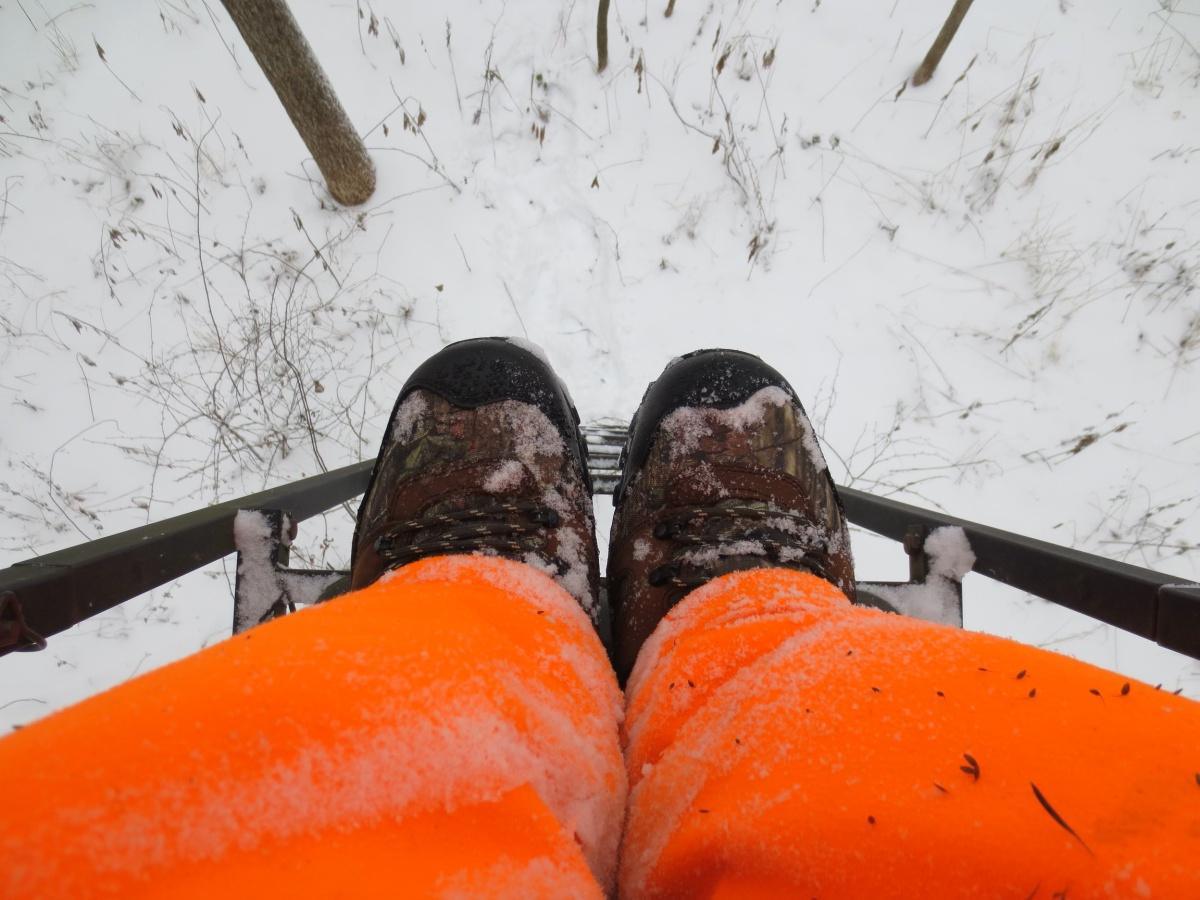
721 472
482 455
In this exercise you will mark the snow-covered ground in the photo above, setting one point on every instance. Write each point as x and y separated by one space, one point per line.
985 286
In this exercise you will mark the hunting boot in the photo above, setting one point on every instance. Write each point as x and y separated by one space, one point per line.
483 454
720 472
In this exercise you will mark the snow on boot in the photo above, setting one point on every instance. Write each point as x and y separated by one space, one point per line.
721 472
482 455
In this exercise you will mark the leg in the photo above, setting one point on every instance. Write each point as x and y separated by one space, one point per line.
453 727
782 742
450 727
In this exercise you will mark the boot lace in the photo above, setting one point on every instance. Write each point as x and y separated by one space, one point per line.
712 541
508 528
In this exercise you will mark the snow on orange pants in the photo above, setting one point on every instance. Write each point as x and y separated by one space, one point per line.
455 730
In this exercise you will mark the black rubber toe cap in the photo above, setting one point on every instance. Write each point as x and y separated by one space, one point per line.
479 371
721 379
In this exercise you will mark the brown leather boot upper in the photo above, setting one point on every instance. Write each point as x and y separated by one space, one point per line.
497 479
720 490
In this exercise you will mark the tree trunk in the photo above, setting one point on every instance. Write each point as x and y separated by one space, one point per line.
288 62
941 42
602 37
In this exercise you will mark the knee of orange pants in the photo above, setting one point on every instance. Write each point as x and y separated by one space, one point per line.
780 742
452 727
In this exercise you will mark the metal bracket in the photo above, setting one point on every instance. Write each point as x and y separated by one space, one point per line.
15 634
933 597
266 587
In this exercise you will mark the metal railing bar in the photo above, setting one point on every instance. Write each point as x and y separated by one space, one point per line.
63 588
1120 594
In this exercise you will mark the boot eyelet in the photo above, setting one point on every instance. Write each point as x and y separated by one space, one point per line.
661 575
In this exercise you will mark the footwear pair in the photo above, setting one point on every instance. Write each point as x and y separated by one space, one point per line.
721 472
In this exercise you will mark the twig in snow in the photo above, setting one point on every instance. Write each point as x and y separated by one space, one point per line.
845 263
453 73
23 699
100 53
485 93
21 6
224 43
463 252
511 300
415 123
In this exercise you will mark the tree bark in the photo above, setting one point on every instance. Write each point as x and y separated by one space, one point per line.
288 61
602 37
941 42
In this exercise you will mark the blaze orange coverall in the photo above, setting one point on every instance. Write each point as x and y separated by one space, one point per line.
455 729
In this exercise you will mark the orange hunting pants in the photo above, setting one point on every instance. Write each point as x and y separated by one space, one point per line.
456 730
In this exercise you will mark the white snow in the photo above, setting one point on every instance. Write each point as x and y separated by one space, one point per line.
505 477
409 415
750 412
707 556
809 439
982 289
935 600
571 549
533 434
262 586
950 559
949 552
705 477
252 534
689 425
